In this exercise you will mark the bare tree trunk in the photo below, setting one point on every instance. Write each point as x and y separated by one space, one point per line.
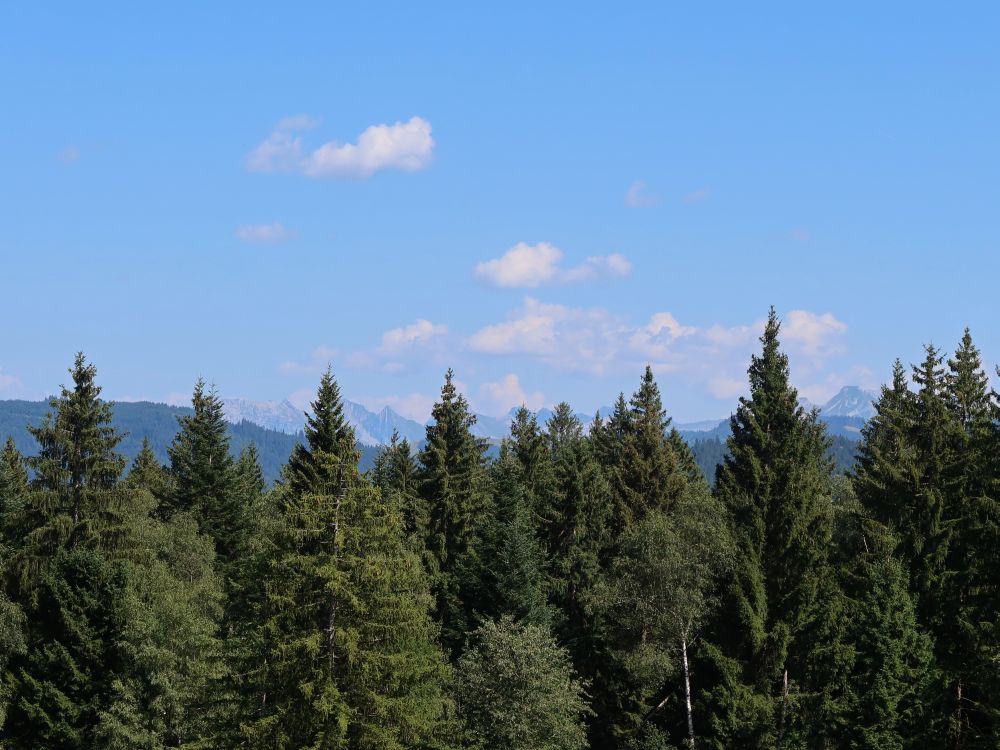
957 742
687 690
332 623
784 705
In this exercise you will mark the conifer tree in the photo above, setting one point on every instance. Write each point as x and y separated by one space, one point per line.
776 486
894 660
352 661
528 445
203 475
73 500
148 473
452 483
511 575
64 677
328 460
395 475
574 529
13 493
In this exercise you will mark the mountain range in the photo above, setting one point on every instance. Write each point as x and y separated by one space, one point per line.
844 414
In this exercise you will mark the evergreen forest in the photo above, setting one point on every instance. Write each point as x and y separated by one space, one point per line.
583 586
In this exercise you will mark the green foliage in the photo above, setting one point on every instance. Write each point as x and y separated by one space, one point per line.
452 483
517 690
352 661
776 486
203 473
328 461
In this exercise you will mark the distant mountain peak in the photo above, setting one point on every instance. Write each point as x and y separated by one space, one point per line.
851 401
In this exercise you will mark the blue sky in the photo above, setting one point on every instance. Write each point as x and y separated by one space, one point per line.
544 198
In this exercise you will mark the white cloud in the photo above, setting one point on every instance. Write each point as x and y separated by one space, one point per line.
637 197
812 334
500 397
8 382
319 359
696 196
264 233
655 338
527 265
420 332
714 357
569 337
70 155
406 146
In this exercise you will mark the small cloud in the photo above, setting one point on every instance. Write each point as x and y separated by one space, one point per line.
319 359
637 197
696 196
405 146
264 234
813 334
420 332
8 382
528 266
799 235
505 394
69 155
655 338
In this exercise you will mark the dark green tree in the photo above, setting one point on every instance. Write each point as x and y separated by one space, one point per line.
395 475
74 500
452 482
203 475
776 486
352 661
328 460
511 575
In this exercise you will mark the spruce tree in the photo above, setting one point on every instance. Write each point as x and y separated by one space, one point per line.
775 485
351 661
147 473
452 483
203 475
395 475
73 499
511 575
13 493
328 460
893 669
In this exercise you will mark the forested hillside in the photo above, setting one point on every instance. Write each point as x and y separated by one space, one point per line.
581 586
142 420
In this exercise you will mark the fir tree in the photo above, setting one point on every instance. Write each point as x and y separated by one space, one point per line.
776 486
73 499
13 493
395 475
511 575
148 473
203 475
452 484
893 668
352 659
328 461
64 678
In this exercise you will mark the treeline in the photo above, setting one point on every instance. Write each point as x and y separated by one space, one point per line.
584 588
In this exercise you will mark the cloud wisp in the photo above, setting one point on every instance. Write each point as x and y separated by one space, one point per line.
264 234
529 266
404 146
